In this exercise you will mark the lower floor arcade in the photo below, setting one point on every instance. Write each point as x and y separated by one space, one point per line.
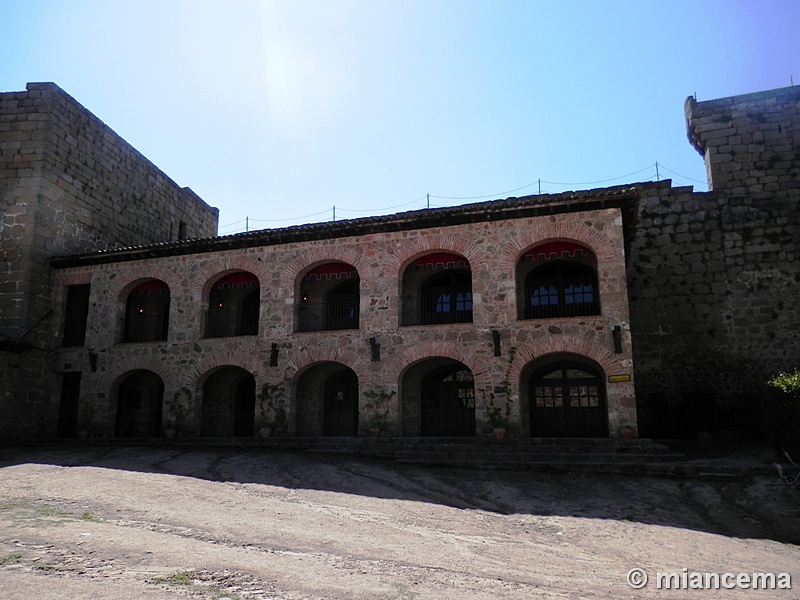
555 395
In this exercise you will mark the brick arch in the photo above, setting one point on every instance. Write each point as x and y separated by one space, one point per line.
412 249
200 371
126 281
112 377
308 357
313 257
204 280
575 231
556 344
437 349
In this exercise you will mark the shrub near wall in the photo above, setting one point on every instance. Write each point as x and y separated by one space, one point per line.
781 413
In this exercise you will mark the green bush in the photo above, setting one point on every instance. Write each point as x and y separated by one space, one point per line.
787 382
781 412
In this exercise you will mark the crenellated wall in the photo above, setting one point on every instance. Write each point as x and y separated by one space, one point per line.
749 142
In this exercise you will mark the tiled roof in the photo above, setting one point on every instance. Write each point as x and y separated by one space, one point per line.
509 208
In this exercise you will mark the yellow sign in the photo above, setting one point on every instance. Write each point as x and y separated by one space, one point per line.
618 378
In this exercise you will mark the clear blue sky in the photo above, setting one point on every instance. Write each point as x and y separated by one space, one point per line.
278 110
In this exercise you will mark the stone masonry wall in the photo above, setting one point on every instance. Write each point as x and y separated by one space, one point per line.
492 248
714 286
69 184
750 143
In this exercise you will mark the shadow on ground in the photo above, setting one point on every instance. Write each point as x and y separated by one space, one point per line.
757 507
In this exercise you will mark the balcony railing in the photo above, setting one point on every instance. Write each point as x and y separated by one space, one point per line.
231 322
329 316
145 328
437 308
576 299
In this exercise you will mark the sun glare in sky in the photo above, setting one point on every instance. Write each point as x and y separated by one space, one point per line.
276 111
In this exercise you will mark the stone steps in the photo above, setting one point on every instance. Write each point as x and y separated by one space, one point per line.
588 455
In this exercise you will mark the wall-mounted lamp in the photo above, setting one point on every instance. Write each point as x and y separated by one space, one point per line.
496 341
617 333
376 349
273 355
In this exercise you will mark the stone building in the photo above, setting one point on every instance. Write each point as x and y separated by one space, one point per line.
68 184
714 278
560 315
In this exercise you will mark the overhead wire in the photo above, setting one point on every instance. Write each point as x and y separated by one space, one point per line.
292 219
600 180
538 182
384 208
679 175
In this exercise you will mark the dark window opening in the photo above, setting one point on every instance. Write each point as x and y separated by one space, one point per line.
76 315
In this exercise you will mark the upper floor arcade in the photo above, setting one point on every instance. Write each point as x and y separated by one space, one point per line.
537 263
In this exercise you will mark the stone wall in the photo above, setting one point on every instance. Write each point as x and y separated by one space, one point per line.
492 248
749 142
69 184
714 285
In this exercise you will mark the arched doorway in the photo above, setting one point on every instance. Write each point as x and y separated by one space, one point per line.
568 399
139 406
327 401
229 401
340 408
438 399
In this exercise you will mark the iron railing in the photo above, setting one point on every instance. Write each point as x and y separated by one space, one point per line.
145 328
567 299
231 322
328 316
437 308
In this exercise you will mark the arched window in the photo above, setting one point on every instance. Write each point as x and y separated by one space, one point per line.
437 289
447 298
329 298
557 279
233 306
147 312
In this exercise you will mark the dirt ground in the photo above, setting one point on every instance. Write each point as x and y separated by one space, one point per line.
125 522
